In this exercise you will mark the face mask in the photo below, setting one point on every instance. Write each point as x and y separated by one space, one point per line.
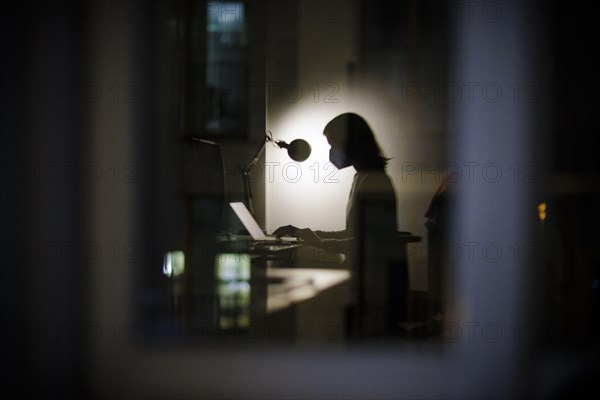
339 158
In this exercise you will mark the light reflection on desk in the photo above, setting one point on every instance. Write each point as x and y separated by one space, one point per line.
234 304
233 290
300 284
300 299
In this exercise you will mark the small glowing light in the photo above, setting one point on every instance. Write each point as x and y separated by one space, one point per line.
542 211
174 263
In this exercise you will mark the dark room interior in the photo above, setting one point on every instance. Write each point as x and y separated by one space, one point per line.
299 199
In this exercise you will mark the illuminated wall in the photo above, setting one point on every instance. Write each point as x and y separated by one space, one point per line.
311 194
325 83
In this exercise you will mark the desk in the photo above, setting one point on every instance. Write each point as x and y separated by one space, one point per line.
300 284
309 306
277 304
237 289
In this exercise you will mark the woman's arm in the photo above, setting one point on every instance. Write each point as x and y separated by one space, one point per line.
332 245
333 234
334 242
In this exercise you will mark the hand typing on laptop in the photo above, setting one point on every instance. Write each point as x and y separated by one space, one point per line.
254 229
305 234
352 143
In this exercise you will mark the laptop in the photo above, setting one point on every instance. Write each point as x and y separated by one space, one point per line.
255 230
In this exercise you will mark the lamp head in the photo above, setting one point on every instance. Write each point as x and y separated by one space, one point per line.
298 150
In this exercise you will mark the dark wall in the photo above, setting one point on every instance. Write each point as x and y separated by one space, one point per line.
42 209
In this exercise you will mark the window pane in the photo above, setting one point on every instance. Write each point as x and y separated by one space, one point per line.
225 66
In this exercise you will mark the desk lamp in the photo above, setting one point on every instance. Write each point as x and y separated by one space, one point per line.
298 150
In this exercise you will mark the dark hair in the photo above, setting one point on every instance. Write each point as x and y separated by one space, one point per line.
359 142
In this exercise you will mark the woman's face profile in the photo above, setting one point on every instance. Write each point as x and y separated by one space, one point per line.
335 142
337 153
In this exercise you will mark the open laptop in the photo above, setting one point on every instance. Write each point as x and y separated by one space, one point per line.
255 230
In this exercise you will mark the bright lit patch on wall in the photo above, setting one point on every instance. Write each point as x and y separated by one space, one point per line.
173 264
314 187
304 122
233 288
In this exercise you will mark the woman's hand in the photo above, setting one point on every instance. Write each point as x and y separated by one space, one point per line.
306 234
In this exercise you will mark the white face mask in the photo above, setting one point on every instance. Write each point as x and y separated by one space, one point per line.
339 158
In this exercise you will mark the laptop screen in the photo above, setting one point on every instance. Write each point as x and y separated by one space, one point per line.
248 221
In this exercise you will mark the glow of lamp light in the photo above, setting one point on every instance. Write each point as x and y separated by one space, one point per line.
314 187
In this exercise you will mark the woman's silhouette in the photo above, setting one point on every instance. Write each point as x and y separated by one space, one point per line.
372 195
368 242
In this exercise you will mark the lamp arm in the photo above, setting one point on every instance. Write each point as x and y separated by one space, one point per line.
246 174
254 160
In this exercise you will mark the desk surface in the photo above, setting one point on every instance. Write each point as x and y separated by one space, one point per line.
307 300
300 284
243 243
